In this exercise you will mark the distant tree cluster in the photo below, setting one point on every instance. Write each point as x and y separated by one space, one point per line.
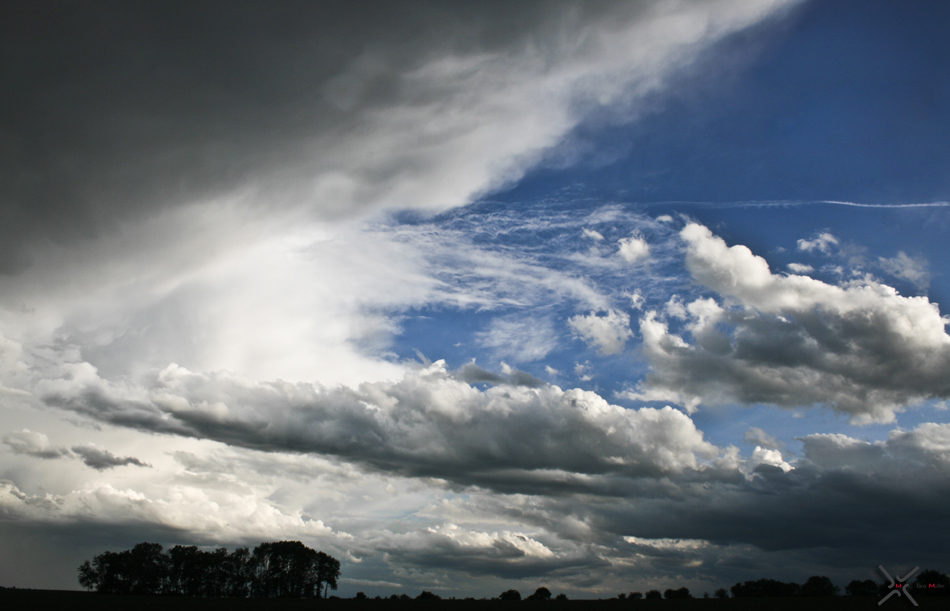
541 593
670 593
928 583
283 569
760 588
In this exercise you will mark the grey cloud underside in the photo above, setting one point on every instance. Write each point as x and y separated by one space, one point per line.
29 443
846 499
509 564
805 510
846 495
100 459
644 473
852 363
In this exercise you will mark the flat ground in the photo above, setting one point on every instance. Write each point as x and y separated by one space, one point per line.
54 600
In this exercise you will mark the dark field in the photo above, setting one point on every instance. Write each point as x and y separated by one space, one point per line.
41 600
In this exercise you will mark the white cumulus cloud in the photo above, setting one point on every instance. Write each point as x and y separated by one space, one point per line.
634 249
607 332
861 348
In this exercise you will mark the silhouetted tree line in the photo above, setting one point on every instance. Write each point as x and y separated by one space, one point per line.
283 569
928 583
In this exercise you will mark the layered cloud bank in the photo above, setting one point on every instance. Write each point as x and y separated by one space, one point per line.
513 476
430 423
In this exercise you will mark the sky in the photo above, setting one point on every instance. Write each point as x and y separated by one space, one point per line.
597 296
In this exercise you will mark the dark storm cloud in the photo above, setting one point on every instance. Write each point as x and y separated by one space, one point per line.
113 110
845 502
844 493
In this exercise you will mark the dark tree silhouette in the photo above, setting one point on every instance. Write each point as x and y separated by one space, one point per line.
288 569
428 596
721 593
186 570
635 595
653 595
541 593
141 570
194 572
328 570
150 568
861 588
819 585
107 574
510 595
240 573
670 593
931 583
561 596
280 569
